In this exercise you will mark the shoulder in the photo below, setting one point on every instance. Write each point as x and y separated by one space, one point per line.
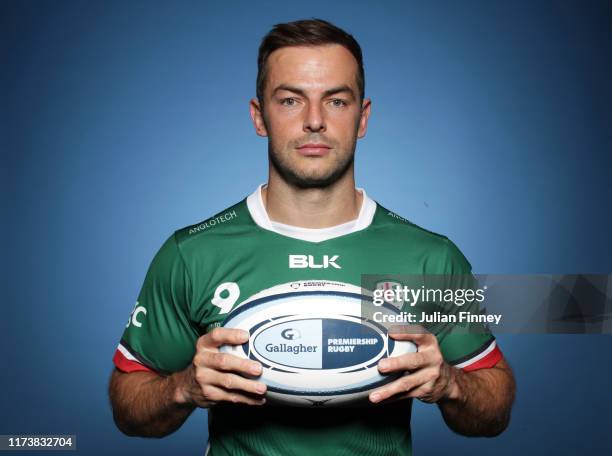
443 255
232 219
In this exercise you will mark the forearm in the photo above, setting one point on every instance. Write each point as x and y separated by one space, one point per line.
479 402
146 404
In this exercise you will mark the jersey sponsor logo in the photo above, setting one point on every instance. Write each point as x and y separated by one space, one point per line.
135 314
399 217
309 262
213 222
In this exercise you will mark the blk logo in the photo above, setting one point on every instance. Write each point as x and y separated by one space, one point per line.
308 261
290 334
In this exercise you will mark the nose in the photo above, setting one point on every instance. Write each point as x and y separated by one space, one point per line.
314 120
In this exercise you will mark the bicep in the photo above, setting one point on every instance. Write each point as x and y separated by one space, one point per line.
120 380
499 379
502 364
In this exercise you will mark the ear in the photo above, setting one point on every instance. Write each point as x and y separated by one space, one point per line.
257 117
366 107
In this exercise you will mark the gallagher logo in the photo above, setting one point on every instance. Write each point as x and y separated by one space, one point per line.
290 334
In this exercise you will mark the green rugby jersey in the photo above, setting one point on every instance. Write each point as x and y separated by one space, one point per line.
203 271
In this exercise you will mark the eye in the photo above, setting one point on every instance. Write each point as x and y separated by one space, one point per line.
338 103
288 101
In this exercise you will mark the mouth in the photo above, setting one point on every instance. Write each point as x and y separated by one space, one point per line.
314 149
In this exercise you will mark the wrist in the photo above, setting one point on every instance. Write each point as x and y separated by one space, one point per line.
453 390
179 382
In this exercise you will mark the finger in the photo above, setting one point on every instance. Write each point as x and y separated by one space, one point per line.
423 392
408 329
227 362
407 362
214 394
221 336
418 336
400 386
420 394
236 383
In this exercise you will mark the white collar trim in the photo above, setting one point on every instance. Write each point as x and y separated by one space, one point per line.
260 216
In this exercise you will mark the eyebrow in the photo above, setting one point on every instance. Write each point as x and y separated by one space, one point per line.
334 90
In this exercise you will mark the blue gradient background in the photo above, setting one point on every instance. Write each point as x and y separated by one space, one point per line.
123 121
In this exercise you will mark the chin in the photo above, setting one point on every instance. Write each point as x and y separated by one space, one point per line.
309 174
313 180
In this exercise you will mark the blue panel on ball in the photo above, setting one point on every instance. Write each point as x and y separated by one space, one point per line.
390 345
346 343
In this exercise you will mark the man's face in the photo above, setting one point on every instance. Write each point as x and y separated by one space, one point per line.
312 114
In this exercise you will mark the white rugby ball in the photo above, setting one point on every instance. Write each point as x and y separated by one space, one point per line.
315 344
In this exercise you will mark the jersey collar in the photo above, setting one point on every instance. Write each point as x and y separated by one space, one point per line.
260 216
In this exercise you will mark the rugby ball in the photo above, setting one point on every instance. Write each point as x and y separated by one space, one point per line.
315 342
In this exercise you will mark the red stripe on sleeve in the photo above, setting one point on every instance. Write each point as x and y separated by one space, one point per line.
127 365
488 361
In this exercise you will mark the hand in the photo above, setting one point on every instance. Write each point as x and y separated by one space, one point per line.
213 377
428 377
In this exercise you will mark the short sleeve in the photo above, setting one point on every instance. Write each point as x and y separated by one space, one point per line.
160 336
465 345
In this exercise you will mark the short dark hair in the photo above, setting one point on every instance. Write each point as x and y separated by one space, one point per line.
309 32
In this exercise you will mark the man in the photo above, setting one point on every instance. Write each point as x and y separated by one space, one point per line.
310 105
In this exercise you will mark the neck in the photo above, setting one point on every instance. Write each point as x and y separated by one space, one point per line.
312 207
